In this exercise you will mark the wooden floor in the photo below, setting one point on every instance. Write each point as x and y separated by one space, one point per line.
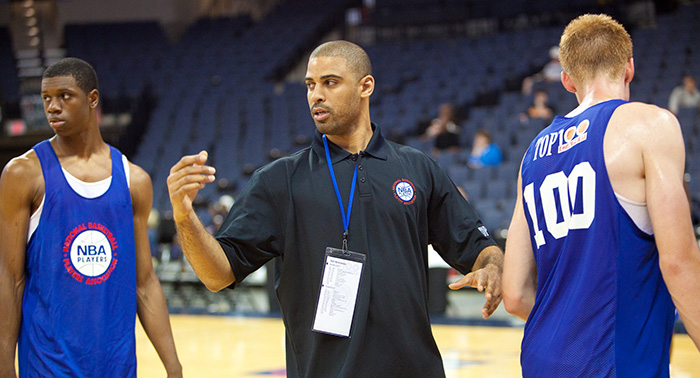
242 347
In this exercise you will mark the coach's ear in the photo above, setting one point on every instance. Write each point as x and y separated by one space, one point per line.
568 82
367 84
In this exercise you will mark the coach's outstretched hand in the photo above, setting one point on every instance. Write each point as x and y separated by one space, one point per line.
186 178
486 278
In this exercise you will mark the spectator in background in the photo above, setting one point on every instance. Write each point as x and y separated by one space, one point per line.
540 108
550 72
684 96
484 151
218 211
443 130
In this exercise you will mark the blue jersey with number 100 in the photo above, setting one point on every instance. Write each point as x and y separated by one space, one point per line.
602 308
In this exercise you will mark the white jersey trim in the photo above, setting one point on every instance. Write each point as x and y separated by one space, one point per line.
84 189
638 212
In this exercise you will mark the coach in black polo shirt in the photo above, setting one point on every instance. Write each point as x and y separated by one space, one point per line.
361 225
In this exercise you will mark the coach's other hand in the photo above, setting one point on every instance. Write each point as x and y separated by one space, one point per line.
487 280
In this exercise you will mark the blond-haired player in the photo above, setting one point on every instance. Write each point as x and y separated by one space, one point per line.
601 244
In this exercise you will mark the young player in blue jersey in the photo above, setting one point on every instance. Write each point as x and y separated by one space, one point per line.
601 244
75 264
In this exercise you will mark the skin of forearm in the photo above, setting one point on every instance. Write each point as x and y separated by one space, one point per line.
154 318
10 320
684 284
204 254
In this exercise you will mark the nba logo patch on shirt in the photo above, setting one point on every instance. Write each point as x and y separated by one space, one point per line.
89 253
404 191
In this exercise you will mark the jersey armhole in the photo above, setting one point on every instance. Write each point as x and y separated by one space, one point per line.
36 216
638 212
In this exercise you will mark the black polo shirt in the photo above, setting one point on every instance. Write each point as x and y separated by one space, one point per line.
289 210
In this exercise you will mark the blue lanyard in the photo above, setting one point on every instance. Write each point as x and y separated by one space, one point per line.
346 219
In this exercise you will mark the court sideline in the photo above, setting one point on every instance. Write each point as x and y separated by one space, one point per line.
241 346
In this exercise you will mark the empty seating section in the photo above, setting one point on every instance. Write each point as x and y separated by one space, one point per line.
215 89
123 55
430 12
9 84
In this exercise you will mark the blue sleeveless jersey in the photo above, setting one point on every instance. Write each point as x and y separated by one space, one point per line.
602 308
79 305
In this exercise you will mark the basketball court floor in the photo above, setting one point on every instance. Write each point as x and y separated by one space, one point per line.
250 346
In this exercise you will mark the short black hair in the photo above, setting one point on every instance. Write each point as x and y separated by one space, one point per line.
355 56
83 73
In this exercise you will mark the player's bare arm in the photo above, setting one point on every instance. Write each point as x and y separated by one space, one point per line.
150 300
485 277
204 253
519 268
663 157
21 189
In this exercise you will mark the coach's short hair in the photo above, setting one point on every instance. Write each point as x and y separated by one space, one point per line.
594 44
83 73
357 58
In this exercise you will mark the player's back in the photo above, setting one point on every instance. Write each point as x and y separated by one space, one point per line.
602 308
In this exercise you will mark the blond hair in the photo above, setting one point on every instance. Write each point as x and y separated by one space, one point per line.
592 45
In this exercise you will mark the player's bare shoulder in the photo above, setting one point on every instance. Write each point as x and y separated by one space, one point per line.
140 179
140 187
639 125
23 166
646 118
22 178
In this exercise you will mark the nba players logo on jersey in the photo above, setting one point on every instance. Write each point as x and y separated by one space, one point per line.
89 253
